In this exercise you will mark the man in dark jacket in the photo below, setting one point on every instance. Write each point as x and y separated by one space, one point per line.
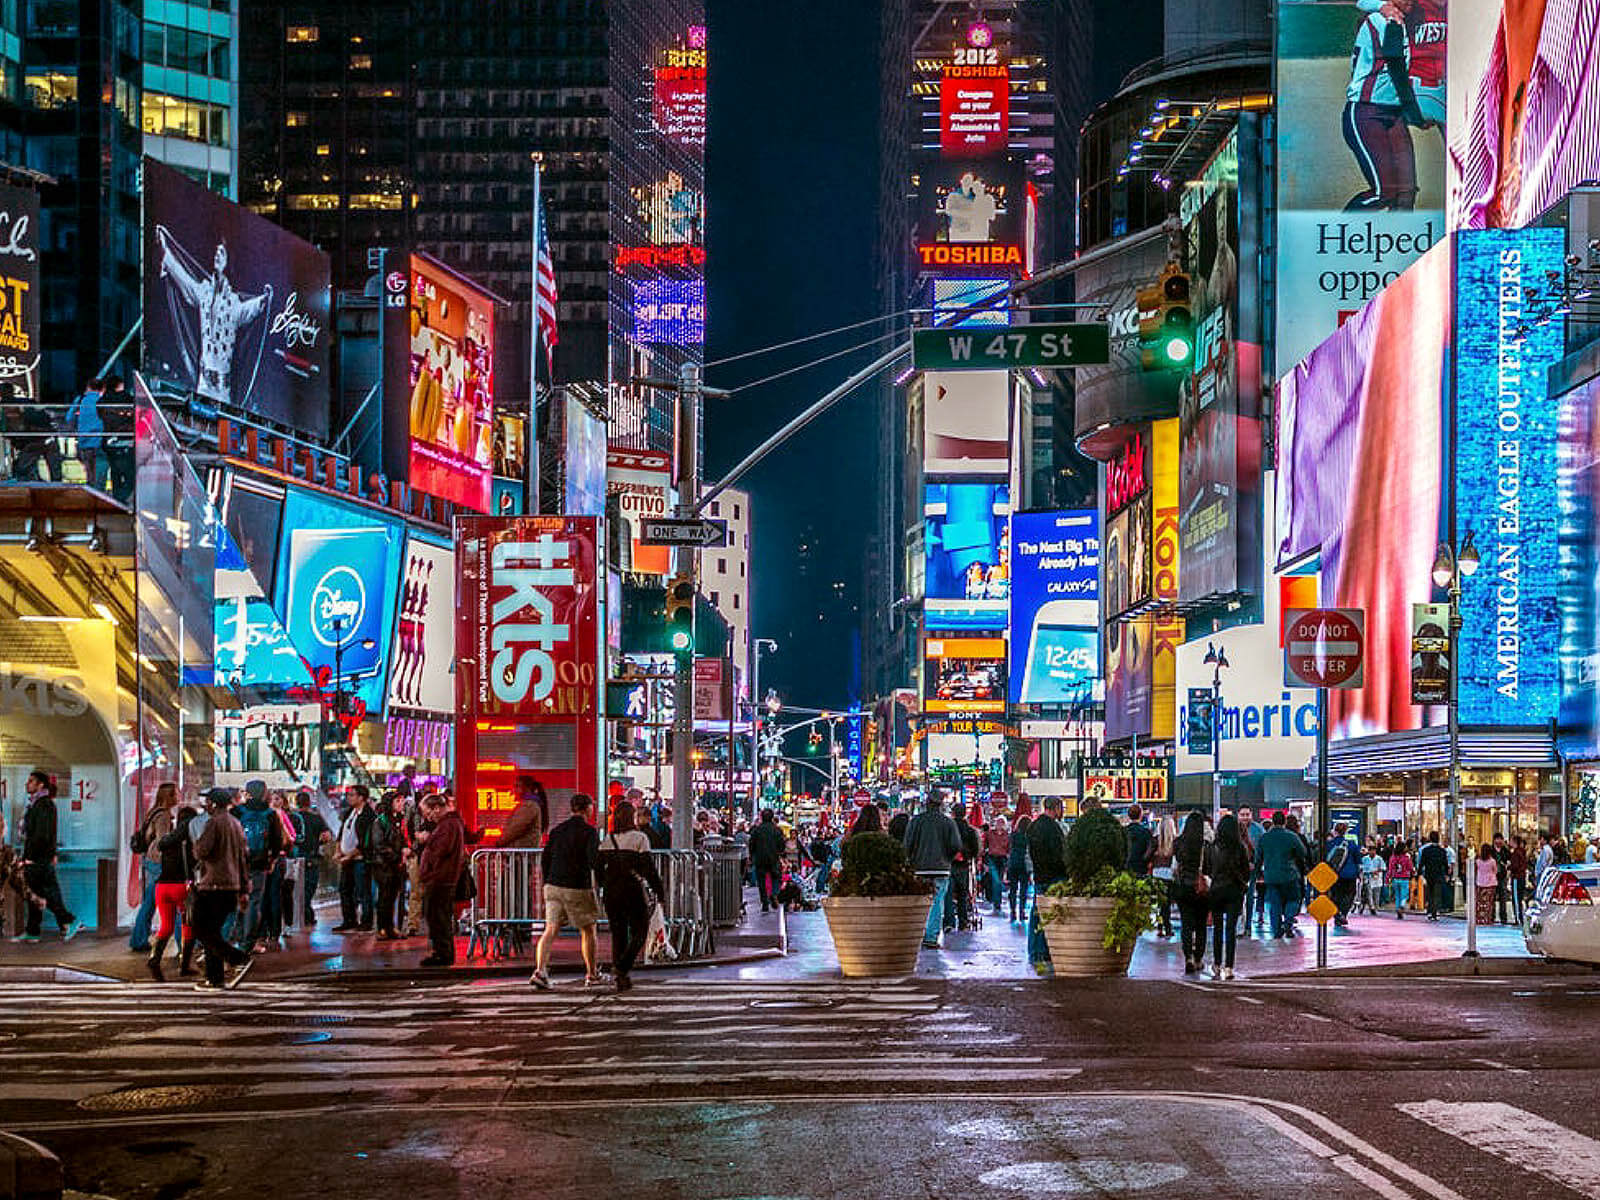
1433 864
971 853
314 832
443 858
1344 856
1047 846
1283 858
39 847
767 845
351 852
264 845
932 843
222 878
1141 843
569 862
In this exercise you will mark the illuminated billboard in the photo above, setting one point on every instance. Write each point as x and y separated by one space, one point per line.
424 636
527 661
950 296
1360 153
966 423
20 300
642 482
338 567
439 346
975 103
964 674
971 216
584 462
1219 401
669 312
235 308
1578 585
1524 125
966 556
680 91
1055 605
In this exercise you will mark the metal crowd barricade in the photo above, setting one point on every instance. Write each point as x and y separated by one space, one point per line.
687 912
508 909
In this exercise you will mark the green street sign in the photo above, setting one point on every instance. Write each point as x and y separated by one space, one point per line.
955 349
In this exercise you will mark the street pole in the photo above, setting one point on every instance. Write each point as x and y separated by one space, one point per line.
733 707
756 723
689 389
1216 745
1322 810
1466 868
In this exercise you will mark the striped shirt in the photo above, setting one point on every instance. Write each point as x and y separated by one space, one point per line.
1555 141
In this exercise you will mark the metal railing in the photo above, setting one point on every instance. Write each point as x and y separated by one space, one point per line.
507 912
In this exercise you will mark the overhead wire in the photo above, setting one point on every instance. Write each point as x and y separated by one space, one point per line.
810 337
817 362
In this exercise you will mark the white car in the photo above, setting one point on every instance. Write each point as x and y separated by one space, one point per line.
1562 920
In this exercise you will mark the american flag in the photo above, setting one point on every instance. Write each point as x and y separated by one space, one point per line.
544 291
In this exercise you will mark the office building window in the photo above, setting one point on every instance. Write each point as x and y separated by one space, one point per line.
303 33
52 89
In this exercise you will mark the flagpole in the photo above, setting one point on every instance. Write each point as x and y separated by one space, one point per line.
531 446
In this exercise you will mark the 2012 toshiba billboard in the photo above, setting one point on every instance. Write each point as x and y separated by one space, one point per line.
527 660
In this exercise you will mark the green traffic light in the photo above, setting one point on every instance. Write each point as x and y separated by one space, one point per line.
682 639
1178 350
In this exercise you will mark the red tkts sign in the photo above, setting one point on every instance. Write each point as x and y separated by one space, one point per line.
527 661
1324 647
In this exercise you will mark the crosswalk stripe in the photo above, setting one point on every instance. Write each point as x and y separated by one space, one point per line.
1519 1137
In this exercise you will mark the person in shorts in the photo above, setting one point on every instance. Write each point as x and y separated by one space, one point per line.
569 862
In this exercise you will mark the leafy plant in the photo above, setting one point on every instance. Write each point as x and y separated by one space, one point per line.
1094 843
1130 916
875 864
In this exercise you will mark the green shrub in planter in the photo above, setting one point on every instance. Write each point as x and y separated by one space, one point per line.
1094 843
874 864
1130 916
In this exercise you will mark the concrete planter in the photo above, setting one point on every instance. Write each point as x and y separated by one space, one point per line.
1074 937
876 935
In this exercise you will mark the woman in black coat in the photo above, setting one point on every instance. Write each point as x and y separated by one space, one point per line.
1227 862
1188 861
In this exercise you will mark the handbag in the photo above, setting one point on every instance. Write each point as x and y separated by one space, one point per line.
466 886
1202 884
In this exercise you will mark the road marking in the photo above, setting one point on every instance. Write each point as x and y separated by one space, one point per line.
1316 1017
1248 1000
1500 1066
1519 1137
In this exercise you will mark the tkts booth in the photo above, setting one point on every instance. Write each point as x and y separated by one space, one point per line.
528 663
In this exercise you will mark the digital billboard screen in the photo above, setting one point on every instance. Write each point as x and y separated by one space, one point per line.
971 216
1578 584
235 308
1524 126
20 300
966 420
420 674
1055 605
338 568
1360 153
669 312
680 91
967 559
975 104
964 674
584 462
642 482
439 347
950 296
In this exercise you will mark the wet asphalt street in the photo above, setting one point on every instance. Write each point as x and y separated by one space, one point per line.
725 1088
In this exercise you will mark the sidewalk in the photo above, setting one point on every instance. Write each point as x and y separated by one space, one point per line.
321 953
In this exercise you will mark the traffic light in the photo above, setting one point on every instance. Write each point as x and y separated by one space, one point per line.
680 615
1166 323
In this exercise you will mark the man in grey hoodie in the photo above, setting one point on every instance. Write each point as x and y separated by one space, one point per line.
221 887
932 843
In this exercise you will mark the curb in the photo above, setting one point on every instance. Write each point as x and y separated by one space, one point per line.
503 969
28 1171
1504 967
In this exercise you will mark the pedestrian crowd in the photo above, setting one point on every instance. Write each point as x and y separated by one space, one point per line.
95 429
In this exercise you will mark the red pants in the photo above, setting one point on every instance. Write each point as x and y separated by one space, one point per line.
169 907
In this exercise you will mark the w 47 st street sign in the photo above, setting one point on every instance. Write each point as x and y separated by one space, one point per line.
1075 345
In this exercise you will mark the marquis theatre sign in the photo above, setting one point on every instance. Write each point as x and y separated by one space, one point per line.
527 659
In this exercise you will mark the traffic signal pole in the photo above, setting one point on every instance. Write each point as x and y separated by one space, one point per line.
690 389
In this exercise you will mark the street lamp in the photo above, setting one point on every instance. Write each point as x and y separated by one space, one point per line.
339 643
1216 658
772 704
1450 567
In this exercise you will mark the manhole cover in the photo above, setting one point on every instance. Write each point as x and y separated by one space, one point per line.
155 1099
819 1003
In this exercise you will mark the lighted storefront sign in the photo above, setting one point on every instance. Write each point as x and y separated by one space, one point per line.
20 301
971 216
1121 781
642 482
416 737
1055 595
424 640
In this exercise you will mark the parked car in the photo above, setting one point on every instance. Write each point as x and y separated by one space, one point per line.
1563 918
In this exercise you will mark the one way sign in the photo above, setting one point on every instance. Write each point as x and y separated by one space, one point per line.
955 349
700 532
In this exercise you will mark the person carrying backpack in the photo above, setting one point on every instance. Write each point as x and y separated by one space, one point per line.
1344 856
263 845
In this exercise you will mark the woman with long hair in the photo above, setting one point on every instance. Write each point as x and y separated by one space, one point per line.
1161 872
868 820
1019 868
1189 890
1485 878
626 868
1227 861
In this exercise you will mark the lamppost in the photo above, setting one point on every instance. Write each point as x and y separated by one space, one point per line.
1216 658
756 647
339 643
1450 566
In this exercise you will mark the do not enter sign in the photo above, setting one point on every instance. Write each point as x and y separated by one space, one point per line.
1324 647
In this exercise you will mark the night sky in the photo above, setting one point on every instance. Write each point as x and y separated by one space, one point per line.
791 180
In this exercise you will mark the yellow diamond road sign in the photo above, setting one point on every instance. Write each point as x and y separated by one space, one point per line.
1322 877
1322 910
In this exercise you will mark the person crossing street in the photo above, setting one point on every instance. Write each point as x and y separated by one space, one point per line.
39 849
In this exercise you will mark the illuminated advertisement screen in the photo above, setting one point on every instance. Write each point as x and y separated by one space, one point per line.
964 674
1360 156
966 420
971 216
680 92
424 630
1505 171
642 482
669 312
1219 402
20 300
585 462
1055 605
338 567
950 296
671 211
235 308
1578 586
966 552
975 105
1506 476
